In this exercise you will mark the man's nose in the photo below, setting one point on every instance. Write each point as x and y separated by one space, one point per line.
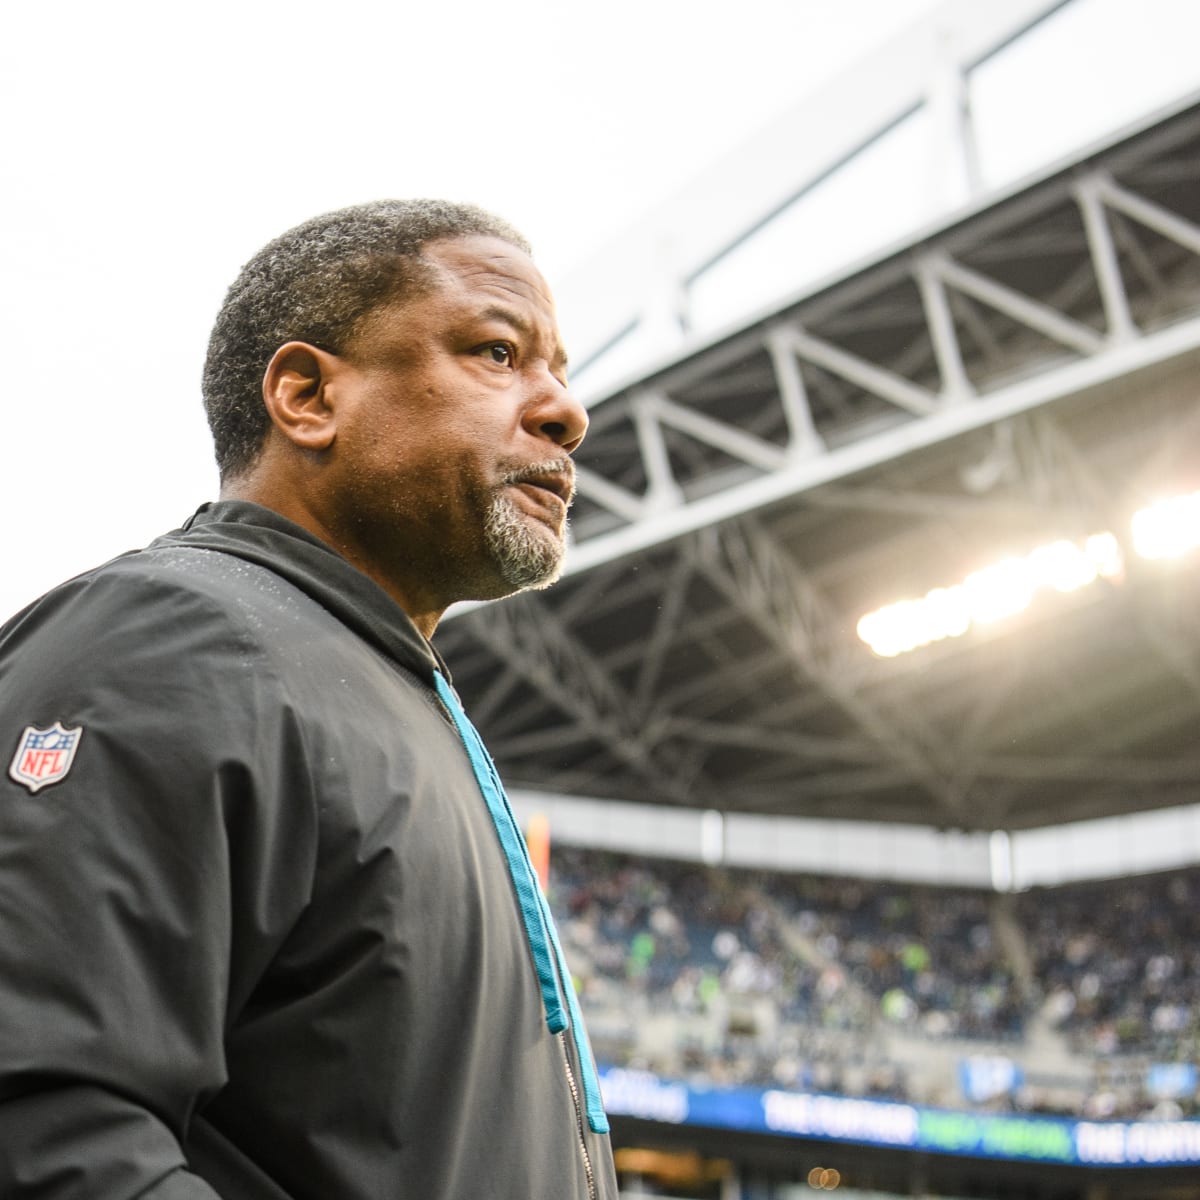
557 415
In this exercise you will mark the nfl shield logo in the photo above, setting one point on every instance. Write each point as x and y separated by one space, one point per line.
44 756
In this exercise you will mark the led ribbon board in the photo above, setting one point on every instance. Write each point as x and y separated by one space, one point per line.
885 1123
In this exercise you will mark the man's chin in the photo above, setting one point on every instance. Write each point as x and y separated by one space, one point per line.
527 553
531 573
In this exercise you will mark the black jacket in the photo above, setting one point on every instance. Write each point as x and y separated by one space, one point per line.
257 935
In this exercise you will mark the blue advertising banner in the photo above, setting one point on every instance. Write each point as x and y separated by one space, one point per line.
889 1123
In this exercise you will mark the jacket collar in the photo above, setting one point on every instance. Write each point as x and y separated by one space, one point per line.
260 535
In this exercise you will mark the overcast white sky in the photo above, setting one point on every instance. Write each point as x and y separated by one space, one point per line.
149 149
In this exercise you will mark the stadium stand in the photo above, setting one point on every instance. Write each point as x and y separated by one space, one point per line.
1118 965
872 988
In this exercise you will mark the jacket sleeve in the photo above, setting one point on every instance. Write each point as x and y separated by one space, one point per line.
144 881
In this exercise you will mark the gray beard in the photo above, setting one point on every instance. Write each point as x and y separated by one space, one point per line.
526 558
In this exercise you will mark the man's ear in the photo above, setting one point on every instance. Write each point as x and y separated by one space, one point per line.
296 393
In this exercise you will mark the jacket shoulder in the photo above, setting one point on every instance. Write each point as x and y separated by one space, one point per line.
174 604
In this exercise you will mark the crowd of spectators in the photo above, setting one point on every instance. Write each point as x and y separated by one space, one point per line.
744 977
1118 963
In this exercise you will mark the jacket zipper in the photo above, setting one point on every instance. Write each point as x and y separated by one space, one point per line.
550 980
574 1088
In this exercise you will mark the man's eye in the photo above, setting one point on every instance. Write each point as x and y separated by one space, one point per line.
500 353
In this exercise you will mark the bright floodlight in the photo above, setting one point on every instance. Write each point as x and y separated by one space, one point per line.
1062 566
999 591
1104 550
996 592
1169 528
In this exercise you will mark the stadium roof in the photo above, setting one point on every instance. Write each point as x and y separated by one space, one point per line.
1022 376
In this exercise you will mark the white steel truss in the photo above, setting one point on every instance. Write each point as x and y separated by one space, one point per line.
1026 374
1079 332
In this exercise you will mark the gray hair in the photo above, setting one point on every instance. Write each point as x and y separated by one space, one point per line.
317 283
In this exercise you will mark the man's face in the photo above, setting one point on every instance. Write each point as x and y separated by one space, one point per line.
451 476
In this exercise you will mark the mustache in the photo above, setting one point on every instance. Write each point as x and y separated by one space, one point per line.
557 474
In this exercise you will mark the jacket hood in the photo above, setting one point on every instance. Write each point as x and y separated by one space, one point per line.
260 535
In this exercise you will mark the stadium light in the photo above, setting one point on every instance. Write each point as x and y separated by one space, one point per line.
991 594
1168 528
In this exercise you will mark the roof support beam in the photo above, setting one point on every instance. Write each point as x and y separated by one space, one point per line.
955 384
1064 379
1104 257
761 581
1031 313
530 640
662 491
666 629
895 389
618 500
1161 220
725 437
803 436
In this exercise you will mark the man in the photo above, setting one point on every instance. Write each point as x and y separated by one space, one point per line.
268 930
